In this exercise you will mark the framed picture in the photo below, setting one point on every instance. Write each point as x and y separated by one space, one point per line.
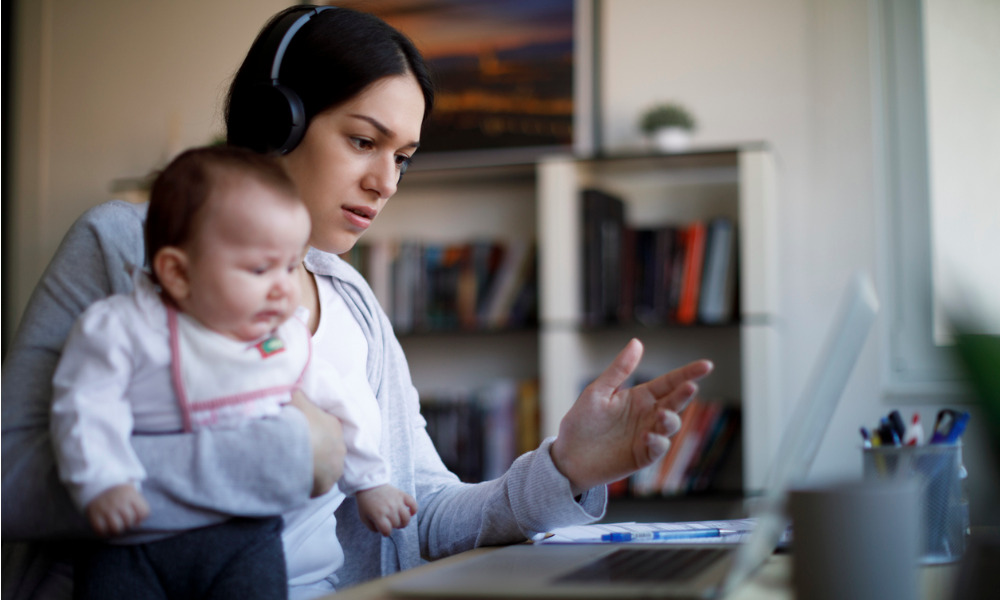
512 77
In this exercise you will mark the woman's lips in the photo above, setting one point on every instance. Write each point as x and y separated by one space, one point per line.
359 216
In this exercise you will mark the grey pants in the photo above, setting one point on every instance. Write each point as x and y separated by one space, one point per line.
241 558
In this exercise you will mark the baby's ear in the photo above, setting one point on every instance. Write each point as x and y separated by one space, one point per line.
171 267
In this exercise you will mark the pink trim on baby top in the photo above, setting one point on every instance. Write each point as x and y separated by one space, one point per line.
222 401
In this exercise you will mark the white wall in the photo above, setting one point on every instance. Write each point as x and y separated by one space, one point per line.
799 75
110 89
113 87
794 73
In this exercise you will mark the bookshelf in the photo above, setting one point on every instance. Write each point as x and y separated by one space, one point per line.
737 183
540 202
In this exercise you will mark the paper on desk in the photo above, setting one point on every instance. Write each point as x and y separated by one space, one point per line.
579 534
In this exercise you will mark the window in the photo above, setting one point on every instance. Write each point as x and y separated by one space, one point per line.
937 88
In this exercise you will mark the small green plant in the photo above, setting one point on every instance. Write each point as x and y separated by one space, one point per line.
668 114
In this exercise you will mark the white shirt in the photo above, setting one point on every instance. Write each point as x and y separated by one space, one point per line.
114 377
310 534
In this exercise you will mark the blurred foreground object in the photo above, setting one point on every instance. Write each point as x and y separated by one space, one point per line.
979 356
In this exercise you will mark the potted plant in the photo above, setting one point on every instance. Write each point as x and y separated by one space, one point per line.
669 126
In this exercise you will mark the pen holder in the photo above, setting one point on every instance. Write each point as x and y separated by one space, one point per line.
941 476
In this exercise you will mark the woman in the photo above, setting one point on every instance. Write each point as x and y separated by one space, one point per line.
365 94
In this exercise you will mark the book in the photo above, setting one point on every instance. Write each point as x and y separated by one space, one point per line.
603 221
718 288
528 416
717 450
407 302
694 251
513 273
688 418
478 433
629 267
689 446
652 279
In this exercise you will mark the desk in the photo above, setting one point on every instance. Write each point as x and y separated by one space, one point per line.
770 582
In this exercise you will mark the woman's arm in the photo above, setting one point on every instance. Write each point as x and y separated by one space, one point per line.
262 470
609 433
530 498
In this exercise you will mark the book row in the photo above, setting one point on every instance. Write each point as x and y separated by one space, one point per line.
480 285
697 454
670 274
479 434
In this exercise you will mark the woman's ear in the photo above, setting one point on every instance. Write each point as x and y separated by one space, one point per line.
171 267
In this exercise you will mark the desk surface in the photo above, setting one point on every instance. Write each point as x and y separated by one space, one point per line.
771 582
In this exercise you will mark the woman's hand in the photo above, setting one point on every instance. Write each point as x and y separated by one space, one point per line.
327 437
610 433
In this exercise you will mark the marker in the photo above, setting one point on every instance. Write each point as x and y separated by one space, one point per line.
943 425
957 428
680 534
897 424
887 433
915 432
866 437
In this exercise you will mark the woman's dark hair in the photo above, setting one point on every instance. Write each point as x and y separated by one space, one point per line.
336 55
181 191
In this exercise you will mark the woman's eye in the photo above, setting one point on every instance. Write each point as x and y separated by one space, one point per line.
258 270
362 143
403 162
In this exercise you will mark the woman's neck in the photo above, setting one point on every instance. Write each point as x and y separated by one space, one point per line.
310 297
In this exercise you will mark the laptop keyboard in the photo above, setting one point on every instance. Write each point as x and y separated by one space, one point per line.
647 565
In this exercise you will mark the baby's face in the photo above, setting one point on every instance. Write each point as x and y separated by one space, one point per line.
243 264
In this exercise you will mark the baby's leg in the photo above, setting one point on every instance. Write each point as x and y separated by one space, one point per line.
103 571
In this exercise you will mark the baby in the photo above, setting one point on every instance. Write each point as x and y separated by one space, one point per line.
212 336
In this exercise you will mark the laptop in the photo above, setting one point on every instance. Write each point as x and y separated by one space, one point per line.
608 570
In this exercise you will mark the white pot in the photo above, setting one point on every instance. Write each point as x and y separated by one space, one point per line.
672 139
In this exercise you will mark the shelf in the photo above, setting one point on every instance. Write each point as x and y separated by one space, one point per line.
658 189
538 199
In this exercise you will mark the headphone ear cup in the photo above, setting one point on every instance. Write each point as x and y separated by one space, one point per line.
282 119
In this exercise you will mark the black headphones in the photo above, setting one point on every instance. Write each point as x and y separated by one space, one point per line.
284 118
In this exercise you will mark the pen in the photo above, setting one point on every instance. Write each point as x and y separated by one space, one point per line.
957 428
888 435
915 432
943 425
866 437
680 534
949 426
897 424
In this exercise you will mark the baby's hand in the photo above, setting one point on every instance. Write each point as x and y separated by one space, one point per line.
384 507
116 510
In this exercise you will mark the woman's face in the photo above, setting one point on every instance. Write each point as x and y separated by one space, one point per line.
351 158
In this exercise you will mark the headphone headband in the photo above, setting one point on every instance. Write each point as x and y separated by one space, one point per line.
286 38
282 115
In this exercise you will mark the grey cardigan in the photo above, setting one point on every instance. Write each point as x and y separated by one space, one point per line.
220 474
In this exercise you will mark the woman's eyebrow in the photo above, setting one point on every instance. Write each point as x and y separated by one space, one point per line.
383 129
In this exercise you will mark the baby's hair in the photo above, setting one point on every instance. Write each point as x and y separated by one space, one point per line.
181 191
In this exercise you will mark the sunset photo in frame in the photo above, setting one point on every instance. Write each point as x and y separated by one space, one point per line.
507 75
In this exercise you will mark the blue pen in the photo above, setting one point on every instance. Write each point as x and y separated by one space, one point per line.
680 534
957 428
943 425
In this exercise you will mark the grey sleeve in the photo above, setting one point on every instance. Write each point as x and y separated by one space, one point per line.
195 479
531 497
